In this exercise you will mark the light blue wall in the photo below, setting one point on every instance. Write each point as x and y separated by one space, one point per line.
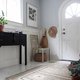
49 12
49 17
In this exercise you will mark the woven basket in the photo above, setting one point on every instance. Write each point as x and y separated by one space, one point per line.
38 57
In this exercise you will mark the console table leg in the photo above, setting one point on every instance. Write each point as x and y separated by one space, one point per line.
20 55
25 51
25 55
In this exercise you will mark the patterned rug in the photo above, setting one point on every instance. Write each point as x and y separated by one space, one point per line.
52 71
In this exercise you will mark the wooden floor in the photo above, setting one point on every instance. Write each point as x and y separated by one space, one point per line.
12 70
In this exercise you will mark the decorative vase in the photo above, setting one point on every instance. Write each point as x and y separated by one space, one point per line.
44 41
1 28
75 77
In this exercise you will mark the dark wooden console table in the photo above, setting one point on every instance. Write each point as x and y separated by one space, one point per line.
11 39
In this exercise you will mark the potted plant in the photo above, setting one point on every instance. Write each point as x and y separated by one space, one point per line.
3 21
74 67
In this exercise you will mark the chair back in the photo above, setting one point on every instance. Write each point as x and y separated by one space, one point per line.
34 45
34 41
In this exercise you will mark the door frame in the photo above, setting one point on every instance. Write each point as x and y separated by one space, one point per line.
60 13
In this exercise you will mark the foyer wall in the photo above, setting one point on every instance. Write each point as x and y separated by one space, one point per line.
9 55
49 17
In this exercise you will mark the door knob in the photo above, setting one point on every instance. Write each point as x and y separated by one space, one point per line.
64 33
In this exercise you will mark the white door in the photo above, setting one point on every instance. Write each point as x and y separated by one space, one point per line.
71 32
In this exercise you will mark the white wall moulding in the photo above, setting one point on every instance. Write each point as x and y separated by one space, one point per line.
31 15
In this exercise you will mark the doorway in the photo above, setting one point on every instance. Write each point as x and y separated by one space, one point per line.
69 18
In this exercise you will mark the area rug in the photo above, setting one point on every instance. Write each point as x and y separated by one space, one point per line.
51 71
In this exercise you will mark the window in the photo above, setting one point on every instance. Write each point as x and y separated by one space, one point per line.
73 10
12 10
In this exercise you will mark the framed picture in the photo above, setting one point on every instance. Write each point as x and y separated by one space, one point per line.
31 15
